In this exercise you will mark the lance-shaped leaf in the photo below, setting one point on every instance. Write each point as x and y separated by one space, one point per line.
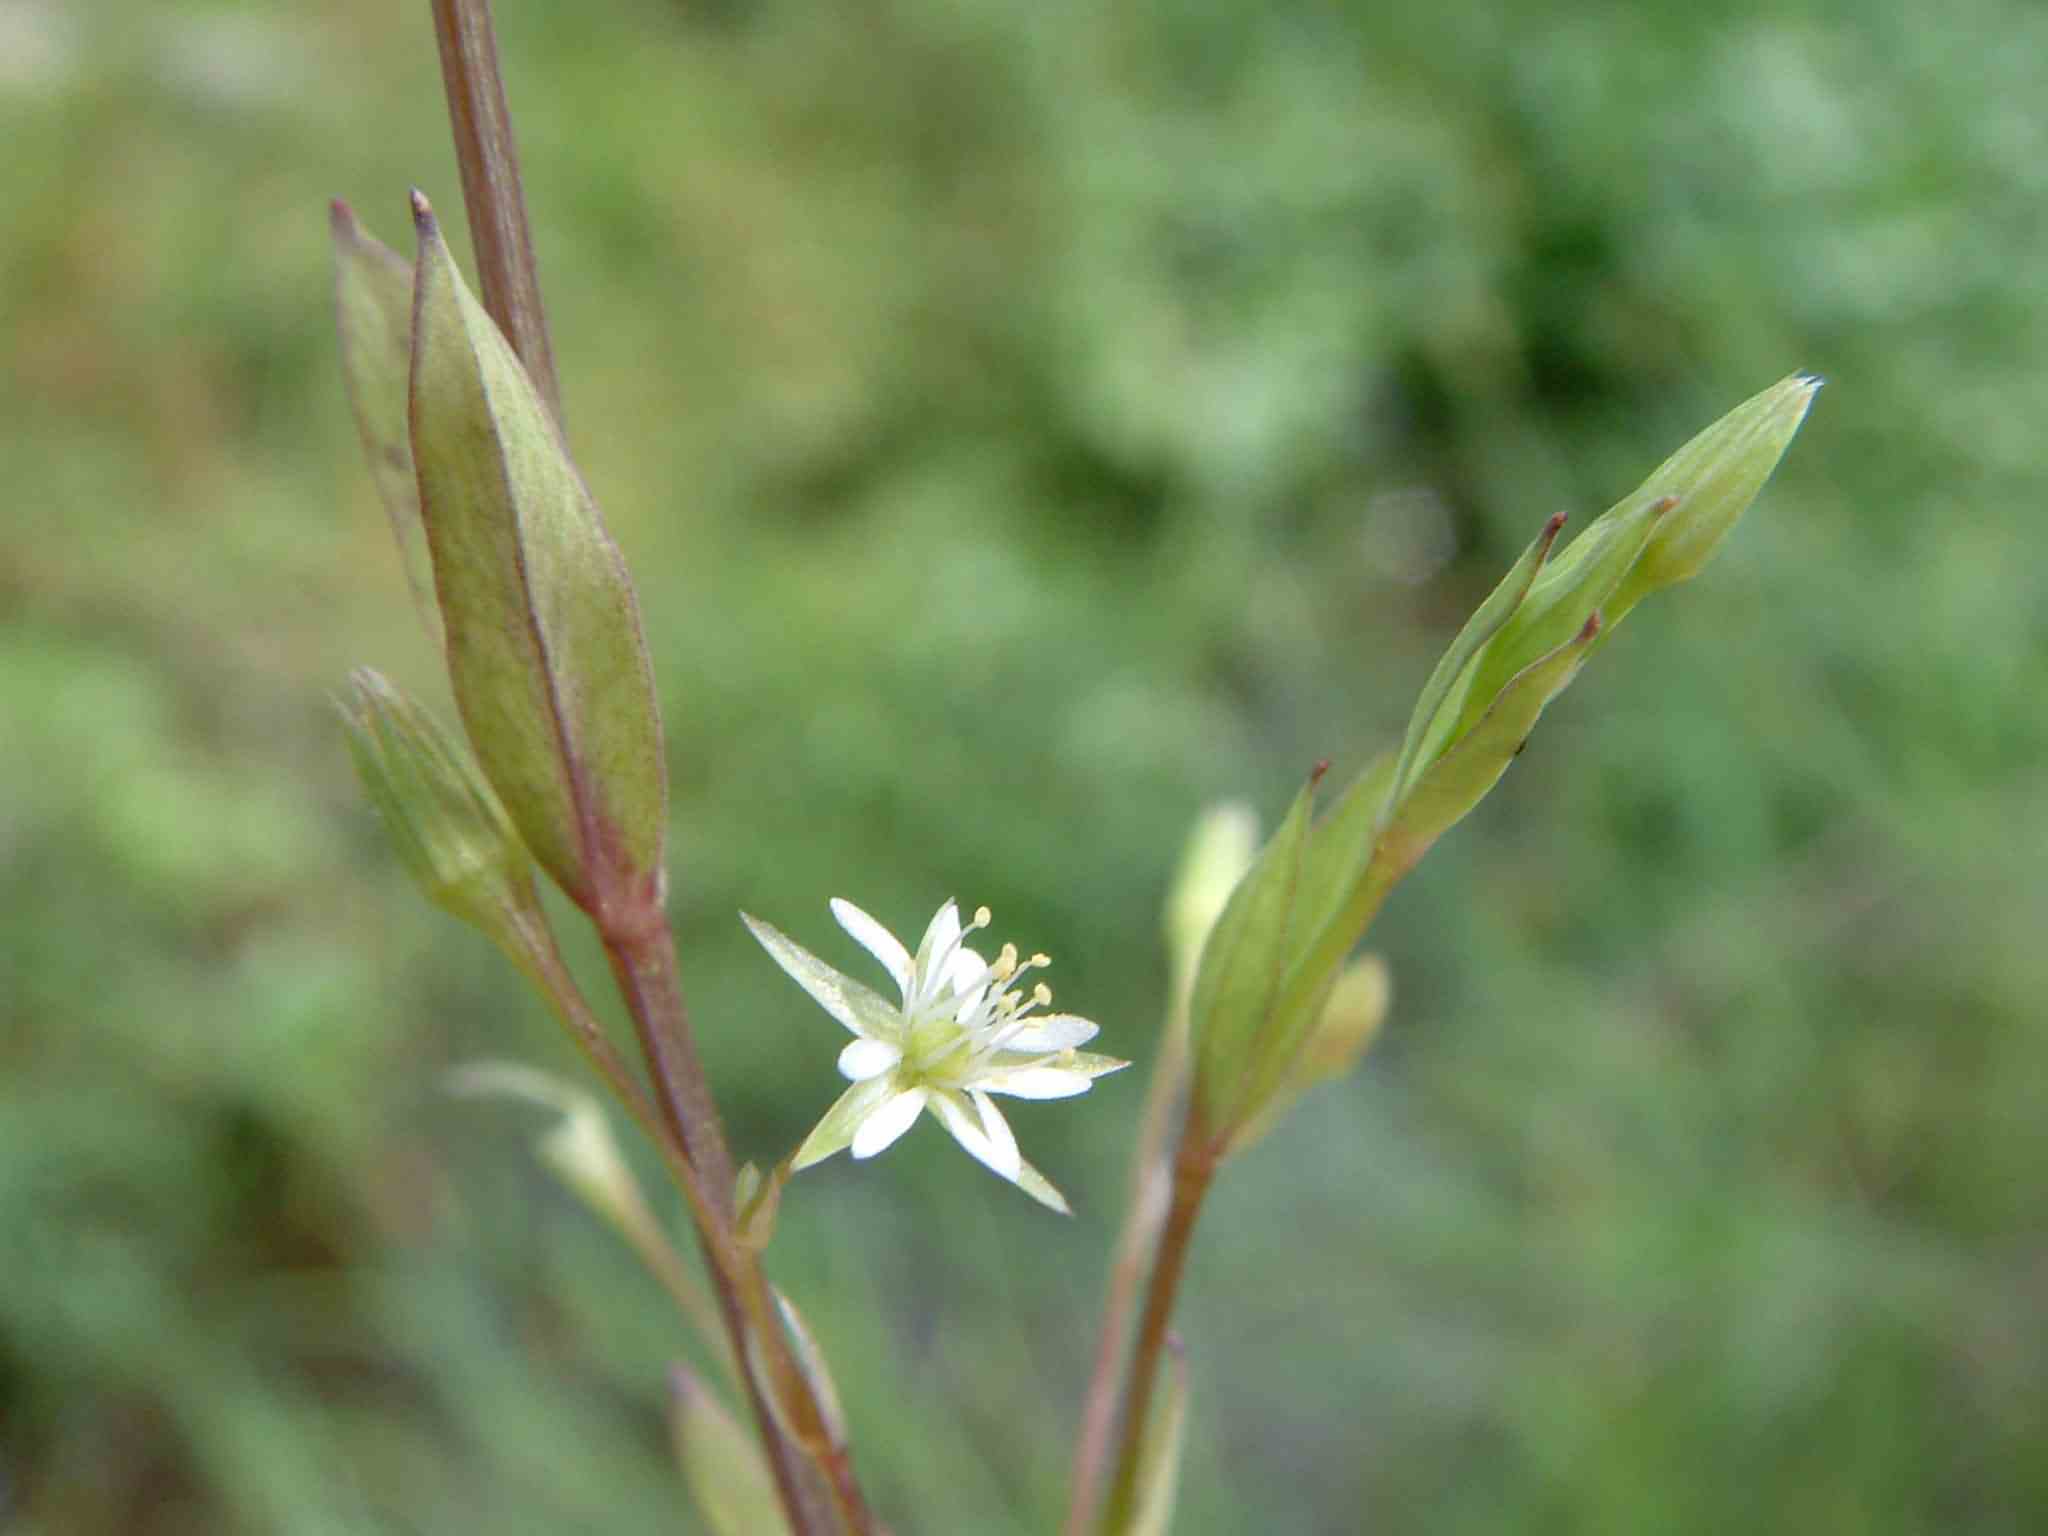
722 1463
1262 989
373 313
1459 779
543 630
445 823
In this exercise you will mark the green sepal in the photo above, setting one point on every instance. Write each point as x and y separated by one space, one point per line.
373 315
543 630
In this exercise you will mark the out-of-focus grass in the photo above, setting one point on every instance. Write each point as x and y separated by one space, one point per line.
1025 423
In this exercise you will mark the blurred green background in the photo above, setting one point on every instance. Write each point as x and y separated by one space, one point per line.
1028 422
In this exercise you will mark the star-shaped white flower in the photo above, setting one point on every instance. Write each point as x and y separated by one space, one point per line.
963 1031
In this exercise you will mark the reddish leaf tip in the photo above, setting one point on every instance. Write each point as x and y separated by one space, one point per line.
1591 626
1315 774
341 217
423 213
1557 521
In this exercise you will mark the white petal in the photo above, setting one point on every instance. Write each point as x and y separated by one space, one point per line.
1035 1083
861 1009
940 940
868 1058
964 970
969 1128
1010 1162
889 1121
1054 1032
877 941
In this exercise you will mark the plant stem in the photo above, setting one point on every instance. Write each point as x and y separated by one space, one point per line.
1144 1210
641 949
644 965
491 188
1193 1169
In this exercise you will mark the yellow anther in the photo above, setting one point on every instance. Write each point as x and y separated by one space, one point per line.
1041 959
1041 994
983 917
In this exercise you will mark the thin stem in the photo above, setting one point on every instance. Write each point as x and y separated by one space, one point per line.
1145 1209
491 187
539 957
644 965
642 953
1193 1169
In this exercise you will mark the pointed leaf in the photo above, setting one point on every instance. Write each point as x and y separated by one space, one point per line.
1442 698
1459 779
1714 477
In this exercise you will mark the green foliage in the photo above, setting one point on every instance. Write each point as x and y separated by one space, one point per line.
1021 421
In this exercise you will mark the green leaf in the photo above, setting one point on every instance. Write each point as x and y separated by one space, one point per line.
1459 779
1575 584
543 631
1714 477
373 313
1437 710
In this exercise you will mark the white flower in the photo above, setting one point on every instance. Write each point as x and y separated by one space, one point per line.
962 1032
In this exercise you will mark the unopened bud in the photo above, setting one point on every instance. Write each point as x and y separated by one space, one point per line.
443 819
543 630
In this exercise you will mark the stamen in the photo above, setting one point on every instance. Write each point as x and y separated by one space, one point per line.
982 918
1041 994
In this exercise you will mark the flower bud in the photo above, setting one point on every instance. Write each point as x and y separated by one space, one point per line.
1217 853
543 630
447 826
